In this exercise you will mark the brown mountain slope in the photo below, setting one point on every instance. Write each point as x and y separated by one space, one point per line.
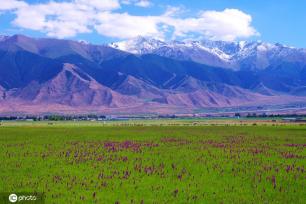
72 87
136 87
193 93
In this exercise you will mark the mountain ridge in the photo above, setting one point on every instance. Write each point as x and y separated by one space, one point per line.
216 53
71 76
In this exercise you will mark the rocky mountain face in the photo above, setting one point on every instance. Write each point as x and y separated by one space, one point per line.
234 55
146 75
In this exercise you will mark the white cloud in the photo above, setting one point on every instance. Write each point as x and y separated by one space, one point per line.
67 21
141 3
62 19
174 11
99 4
69 18
11 4
123 25
227 25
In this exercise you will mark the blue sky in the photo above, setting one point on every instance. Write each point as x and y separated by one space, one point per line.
103 21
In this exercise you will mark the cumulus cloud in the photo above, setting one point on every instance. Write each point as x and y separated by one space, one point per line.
11 4
123 25
141 3
216 25
62 19
51 19
69 18
174 11
99 4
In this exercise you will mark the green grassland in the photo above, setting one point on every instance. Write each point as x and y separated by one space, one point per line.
155 162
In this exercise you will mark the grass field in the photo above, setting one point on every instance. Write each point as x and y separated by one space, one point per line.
180 162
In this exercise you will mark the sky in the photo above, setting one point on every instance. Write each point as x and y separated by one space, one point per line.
104 21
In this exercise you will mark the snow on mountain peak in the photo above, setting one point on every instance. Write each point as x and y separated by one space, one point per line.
3 37
138 45
215 53
84 42
242 44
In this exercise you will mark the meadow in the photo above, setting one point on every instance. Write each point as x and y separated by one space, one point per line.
155 162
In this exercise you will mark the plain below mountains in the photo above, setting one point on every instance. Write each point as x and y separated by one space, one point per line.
145 75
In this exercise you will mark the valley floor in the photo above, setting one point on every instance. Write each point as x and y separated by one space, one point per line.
160 161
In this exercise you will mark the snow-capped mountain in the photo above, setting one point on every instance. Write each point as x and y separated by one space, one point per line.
51 75
139 45
182 50
3 37
235 55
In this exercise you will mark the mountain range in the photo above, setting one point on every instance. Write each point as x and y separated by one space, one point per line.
146 75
